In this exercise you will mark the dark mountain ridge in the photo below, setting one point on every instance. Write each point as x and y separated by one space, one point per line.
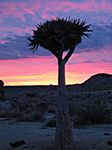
97 82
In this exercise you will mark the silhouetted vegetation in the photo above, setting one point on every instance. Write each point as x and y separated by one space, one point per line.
91 113
51 123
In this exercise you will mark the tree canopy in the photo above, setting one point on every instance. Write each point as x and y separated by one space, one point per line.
59 34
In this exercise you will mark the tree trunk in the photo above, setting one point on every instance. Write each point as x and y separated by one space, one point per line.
64 138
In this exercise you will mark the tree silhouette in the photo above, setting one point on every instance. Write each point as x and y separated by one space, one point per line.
57 36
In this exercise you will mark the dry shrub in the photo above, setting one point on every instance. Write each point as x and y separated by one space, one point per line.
33 117
51 123
92 113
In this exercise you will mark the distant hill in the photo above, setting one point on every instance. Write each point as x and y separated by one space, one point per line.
98 82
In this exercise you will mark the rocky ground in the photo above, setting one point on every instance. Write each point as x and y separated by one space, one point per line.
31 103
25 113
38 137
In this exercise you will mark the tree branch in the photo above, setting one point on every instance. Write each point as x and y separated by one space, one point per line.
66 58
61 50
54 54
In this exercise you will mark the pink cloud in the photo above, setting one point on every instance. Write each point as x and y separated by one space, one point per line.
2 41
17 30
47 9
91 6
67 6
19 9
100 56
90 68
27 66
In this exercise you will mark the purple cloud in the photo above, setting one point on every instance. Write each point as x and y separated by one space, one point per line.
18 18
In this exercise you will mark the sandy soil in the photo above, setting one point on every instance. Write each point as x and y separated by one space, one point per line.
38 137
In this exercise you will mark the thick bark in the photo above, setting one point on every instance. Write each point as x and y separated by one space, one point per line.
64 138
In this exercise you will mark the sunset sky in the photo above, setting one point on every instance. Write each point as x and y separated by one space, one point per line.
20 66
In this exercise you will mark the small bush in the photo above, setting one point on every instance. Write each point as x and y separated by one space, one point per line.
37 116
7 114
33 117
43 107
2 113
51 123
51 109
2 97
31 95
93 113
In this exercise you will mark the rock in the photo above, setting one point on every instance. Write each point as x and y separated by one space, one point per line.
2 97
51 123
110 142
17 143
107 134
1 83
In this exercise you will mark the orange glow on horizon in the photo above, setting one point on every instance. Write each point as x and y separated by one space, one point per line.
41 80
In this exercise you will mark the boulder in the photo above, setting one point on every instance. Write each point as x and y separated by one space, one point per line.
2 97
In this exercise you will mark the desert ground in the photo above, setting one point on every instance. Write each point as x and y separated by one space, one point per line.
28 113
39 137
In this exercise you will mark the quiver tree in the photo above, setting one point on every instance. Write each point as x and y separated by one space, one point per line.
57 36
